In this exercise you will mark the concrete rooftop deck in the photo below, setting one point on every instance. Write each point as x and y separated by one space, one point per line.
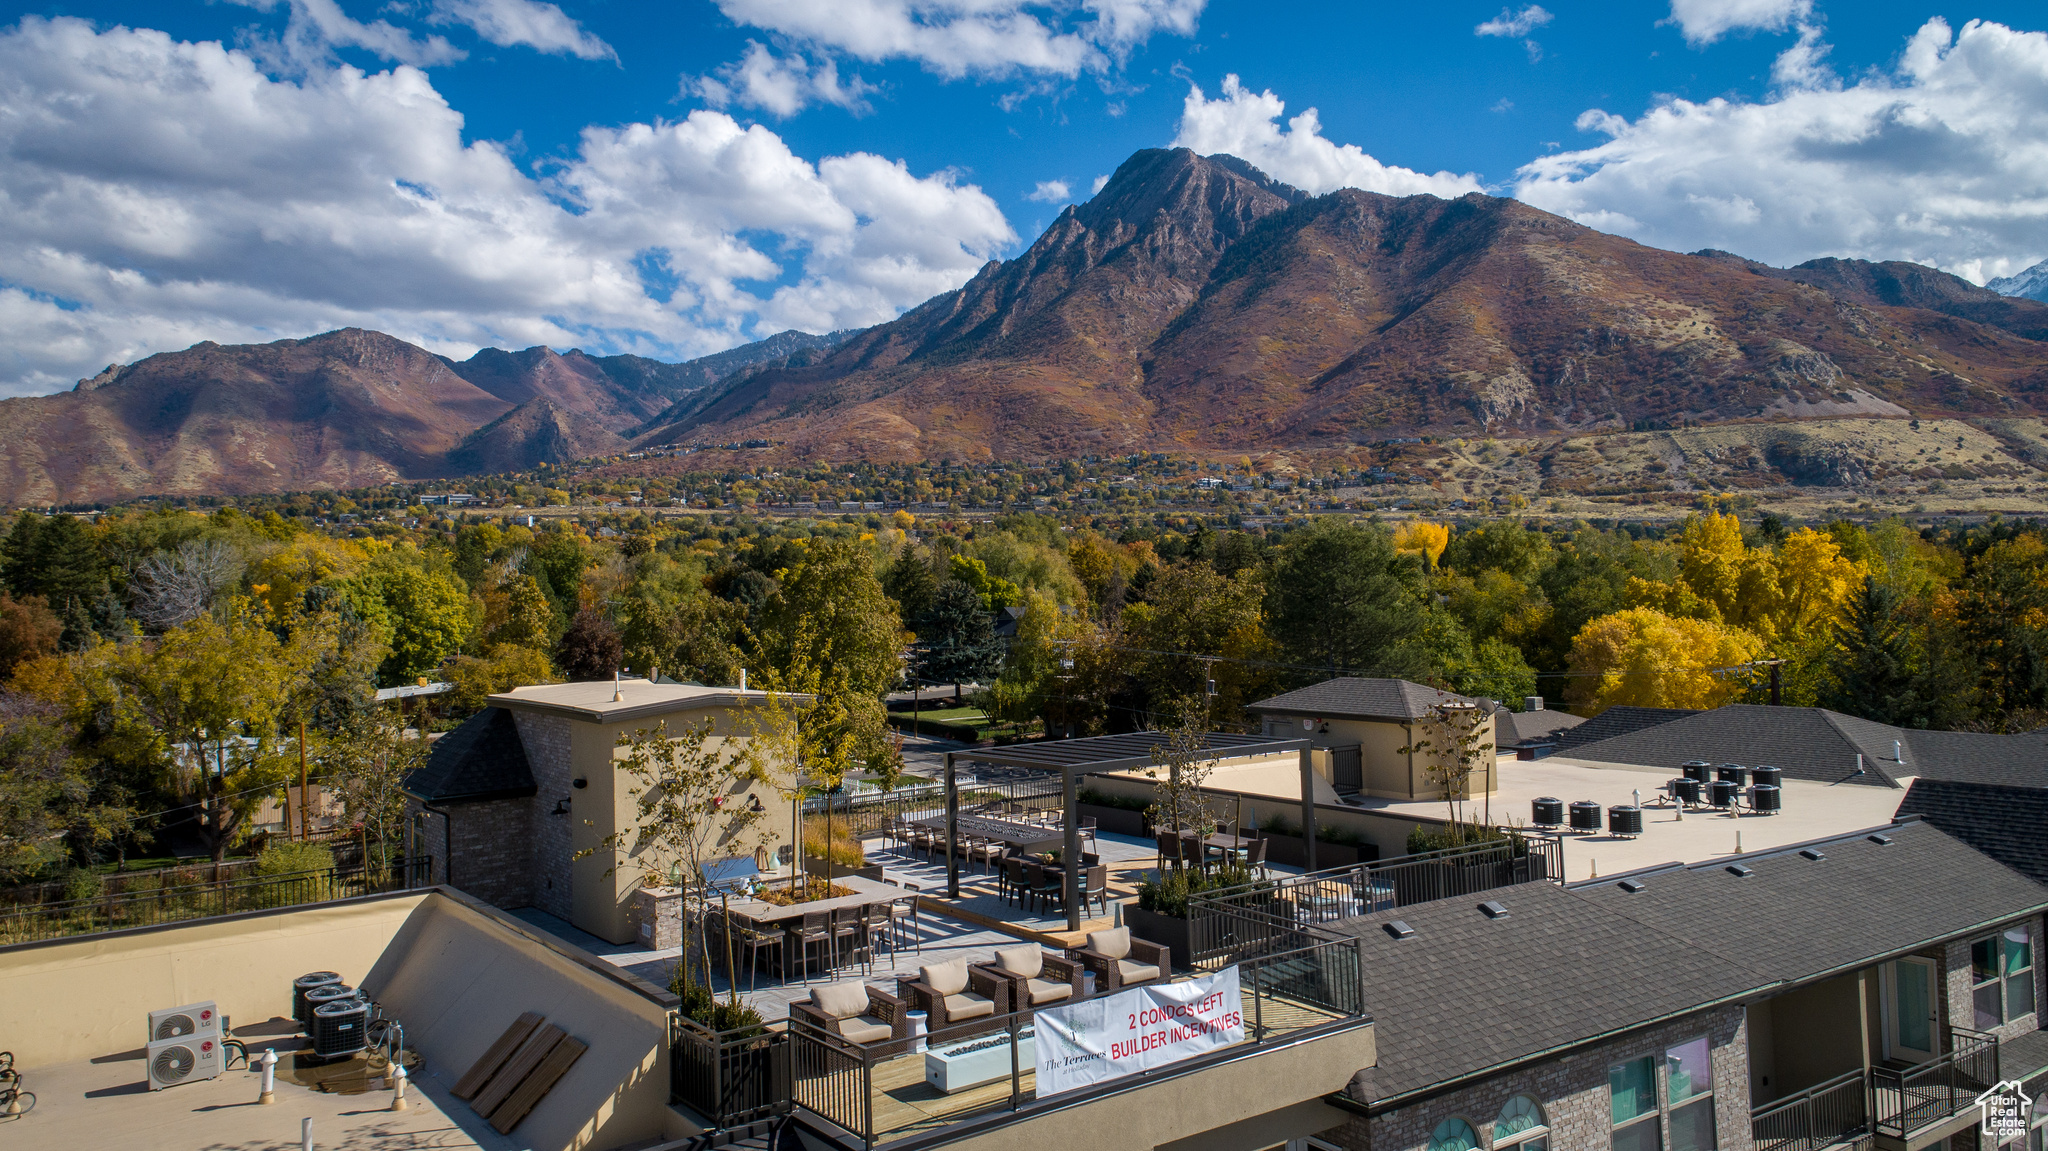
106 1102
1812 811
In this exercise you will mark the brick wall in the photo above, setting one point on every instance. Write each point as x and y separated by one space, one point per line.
546 739
1955 973
492 846
1573 1091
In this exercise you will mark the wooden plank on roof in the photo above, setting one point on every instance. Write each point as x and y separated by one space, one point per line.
480 1072
516 1069
536 1085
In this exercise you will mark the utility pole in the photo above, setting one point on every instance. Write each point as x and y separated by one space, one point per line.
305 827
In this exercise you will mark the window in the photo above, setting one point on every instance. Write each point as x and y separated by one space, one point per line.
1453 1135
1632 1102
1521 1126
2002 977
1689 1083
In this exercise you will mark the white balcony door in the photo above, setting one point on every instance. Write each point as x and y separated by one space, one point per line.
1911 1010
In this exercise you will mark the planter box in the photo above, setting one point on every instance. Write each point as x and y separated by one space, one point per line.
1170 931
816 866
1117 820
1288 849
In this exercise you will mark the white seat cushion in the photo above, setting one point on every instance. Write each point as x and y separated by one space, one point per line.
1046 991
841 1000
1115 943
948 978
863 1029
1129 972
968 1006
1025 961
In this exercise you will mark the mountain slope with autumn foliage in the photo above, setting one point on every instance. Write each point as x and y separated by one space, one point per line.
1196 304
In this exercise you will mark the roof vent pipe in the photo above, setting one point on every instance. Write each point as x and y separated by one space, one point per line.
1898 753
1859 763
618 686
743 679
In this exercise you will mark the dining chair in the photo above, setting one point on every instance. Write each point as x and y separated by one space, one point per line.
847 926
755 939
878 924
1013 878
988 853
1049 887
1095 887
815 927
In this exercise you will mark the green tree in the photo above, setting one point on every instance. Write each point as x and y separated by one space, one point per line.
995 592
1344 600
42 786
421 610
909 581
830 632
956 641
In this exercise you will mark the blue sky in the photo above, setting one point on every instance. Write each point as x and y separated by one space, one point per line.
674 178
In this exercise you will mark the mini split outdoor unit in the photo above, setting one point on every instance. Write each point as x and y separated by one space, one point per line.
184 1060
177 1022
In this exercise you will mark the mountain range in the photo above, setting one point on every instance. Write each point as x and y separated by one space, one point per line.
1193 304
343 409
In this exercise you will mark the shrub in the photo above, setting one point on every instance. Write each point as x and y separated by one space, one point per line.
701 1005
846 849
1096 798
289 858
81 884
1438 836
1169 894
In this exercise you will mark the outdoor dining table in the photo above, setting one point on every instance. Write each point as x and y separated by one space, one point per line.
1019 835
790 920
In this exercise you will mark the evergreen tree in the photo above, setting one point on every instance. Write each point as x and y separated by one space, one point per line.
1875 670
908 580
956 640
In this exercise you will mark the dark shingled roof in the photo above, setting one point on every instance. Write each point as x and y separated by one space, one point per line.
1619 721
1811 743
482 759
1517 727
1612 960
1448 1001
1354 697
1806 742
2009 824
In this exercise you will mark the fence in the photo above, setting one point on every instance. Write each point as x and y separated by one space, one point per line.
1910 1099
170 903
1236 923
1823 1115
989 792
728 1077
342 842
861 1088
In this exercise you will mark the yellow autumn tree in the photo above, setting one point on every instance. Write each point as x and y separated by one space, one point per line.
1643 657
1816 583
1426 539
1789 596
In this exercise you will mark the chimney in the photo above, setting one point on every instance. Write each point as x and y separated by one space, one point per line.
743 687
1532 703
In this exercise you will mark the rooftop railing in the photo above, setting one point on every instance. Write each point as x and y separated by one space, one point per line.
1232 924
173 902
878 1095
729 1077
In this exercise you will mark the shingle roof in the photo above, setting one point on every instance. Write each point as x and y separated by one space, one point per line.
1610 959
1619 721
1806 742
1810 743
2014 760
1514 727
1463 994
1354 697
482 759
2009 824
1797 918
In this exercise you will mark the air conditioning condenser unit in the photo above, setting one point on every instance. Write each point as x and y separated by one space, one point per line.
178 1022
184 1060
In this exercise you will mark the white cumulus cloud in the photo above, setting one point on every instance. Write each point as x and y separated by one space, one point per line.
1515 25
780 85
982 38
1051 192
529 23
156 192
1705 21
315 28
1944 161
1246 125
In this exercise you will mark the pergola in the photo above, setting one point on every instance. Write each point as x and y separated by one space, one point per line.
1074 758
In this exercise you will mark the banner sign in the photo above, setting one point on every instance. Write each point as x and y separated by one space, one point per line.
1121 1034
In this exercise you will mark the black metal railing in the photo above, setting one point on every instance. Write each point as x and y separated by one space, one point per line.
1287 993
874 812
728 1077
172 903
1823 1115
1910 1099
1232 924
